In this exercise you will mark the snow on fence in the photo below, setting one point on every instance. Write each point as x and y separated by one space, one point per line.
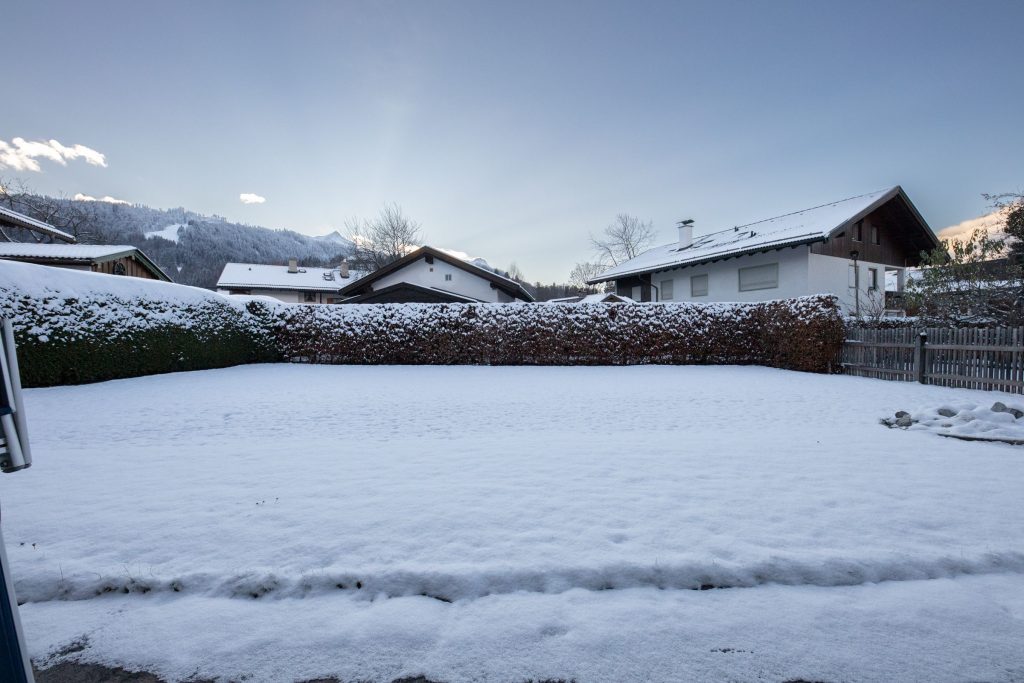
799 334
974 358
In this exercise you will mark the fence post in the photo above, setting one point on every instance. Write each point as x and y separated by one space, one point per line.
921 357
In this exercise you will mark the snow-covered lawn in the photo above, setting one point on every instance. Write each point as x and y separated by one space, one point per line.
285 522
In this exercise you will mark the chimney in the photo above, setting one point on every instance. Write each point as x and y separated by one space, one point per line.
343 267
293 265
685 233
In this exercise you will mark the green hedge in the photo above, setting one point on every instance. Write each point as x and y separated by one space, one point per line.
72 340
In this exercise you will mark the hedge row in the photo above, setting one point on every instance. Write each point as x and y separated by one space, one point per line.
73 328
75 339
798 334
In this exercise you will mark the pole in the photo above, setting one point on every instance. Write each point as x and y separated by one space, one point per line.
14 663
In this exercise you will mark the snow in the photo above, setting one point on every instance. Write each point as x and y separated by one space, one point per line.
62 251
973 419
45 282
792 228
277 277
168 233
286 522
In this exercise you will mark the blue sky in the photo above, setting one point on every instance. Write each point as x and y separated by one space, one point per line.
513 130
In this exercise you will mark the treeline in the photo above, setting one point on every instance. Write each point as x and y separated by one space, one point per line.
204 243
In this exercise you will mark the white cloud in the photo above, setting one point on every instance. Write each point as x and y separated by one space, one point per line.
250 198
992 223
108 199
22 155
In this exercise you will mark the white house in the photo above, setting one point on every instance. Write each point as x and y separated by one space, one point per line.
430 275
292 284
844 248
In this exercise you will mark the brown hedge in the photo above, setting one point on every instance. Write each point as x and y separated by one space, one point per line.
797 334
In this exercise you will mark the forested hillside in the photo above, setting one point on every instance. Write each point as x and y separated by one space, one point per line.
190 247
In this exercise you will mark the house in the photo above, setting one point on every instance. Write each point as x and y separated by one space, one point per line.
292 284
429 275
845 248
599 298
117 259
12 219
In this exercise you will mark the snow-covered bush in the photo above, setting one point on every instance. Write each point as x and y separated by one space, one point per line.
799 334
73 327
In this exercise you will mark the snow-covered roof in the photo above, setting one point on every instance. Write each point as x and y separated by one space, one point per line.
69 252
261 276
799 227
20 220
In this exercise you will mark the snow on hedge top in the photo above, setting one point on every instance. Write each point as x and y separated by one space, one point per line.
792 228
255 275
42 282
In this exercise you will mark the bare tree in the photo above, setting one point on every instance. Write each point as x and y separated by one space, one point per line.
385 239
582 272
515 272
56 211
624 239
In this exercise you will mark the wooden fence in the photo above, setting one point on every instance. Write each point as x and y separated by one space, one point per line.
989 358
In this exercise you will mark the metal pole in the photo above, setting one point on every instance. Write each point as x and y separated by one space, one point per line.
14 663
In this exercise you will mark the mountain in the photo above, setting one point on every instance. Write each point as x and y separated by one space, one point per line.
192 248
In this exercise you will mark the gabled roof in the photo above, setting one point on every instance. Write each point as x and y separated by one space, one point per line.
816 224
261 276
72 254
507 285
20 220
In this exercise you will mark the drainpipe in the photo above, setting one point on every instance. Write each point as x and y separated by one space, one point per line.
856 282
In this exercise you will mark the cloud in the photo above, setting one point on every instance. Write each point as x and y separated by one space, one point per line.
250 198
992 223
108 199
22 155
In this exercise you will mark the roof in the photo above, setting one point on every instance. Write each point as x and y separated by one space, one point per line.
800 227
261 276
20 220
508 285
76 254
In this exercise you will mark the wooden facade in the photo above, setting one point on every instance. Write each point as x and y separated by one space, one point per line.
125 265
880 237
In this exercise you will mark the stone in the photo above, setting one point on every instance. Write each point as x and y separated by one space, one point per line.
904 421
999 407
1017 414
902 413
946 412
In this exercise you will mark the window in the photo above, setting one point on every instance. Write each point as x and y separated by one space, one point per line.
666 290
875 238
636 293
759 277
447 277
119 269
309 297
858 231
872 278
698 285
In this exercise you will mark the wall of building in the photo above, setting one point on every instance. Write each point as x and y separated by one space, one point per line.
800 273
723 278
834 275
132 268
433 275
288 296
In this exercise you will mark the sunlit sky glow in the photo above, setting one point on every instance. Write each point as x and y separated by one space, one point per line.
513 130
